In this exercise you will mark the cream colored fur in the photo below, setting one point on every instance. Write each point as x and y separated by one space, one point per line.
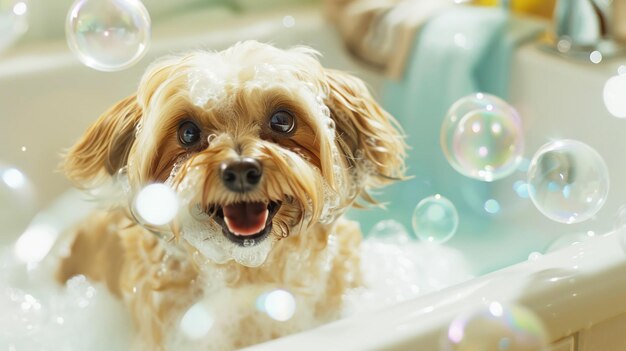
344 145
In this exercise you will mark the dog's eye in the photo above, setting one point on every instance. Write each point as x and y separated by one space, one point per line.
188 133
282 122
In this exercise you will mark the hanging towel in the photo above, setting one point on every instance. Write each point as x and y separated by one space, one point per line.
459 52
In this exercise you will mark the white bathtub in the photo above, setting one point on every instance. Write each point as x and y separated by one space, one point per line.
47 99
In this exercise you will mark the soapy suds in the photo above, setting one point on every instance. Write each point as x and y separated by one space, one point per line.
82 315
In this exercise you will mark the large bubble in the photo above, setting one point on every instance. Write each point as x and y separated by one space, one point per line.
482 137
496 327
568 181
108 35
13 21
435 219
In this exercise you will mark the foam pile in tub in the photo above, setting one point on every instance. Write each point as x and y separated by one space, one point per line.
39 314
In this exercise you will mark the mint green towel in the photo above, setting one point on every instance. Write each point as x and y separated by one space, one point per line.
461 51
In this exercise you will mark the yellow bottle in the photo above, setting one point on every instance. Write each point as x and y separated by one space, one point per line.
543 8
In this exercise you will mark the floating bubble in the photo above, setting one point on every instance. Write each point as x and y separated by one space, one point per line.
496 328
18 202
108 35
492 206
521 189
289 21
595 57
614 95
389 231
568 181
197 321
156 204
435 219
13 21
482 137
279 304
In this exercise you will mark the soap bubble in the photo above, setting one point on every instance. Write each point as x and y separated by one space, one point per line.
496 328
482 137
435 219
108 35
17 202
280 305
13 21
614 95
197 321
568 181
156 204
389 231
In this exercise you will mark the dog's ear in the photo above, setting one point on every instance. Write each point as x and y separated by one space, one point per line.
104 148
370 138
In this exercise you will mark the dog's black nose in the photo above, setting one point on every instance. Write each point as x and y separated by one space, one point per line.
241 174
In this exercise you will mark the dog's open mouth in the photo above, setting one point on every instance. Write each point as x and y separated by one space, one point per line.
246 223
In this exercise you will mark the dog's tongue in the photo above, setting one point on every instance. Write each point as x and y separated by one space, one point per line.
246 218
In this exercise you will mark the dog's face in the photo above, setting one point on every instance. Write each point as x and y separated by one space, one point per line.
259 143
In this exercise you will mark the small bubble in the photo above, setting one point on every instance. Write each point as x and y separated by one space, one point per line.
279 304
521 189
23 148
435 219
613 95
330 123
197 321
492 206
156 204
210 138
595 57
20 8
289 21
564 45
325 111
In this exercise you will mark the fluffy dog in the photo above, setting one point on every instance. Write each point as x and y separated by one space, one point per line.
265 149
